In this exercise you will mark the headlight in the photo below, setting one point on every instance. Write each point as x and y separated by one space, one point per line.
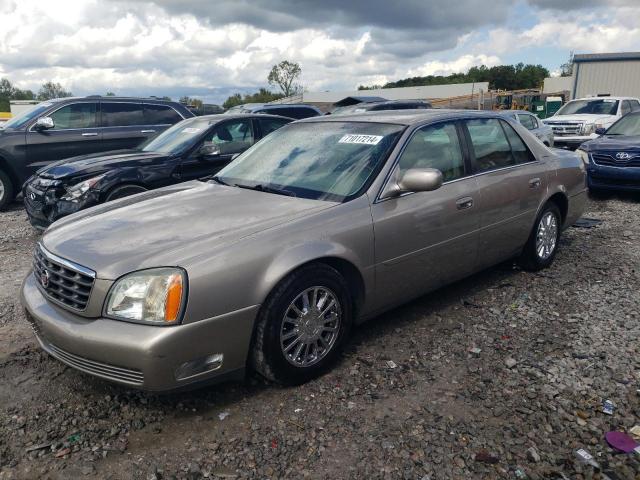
155 296
588 128
79 189
584 155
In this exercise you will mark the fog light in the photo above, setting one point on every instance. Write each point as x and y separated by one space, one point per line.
200 365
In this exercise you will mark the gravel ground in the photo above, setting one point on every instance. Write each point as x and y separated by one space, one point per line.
502 375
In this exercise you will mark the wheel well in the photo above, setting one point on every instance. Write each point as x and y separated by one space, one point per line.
4 166
350 273
562 203
123 184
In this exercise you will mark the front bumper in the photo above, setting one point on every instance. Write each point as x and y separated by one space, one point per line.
571 142
141 356
602 177
43 208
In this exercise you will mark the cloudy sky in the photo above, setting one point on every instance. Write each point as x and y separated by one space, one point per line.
209 49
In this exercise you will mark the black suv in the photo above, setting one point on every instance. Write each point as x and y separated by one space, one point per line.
194 148
67 127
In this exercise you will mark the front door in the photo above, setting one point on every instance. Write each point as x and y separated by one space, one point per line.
231 137
75 132
427 239
512 185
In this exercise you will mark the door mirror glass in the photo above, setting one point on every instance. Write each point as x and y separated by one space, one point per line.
601 131
44 123
420 180
209 150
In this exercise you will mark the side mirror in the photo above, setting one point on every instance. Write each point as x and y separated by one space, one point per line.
416 180
209 150
601 131
44 123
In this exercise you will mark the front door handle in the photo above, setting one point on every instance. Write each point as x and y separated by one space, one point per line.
90 134
147 131
534 183
464 203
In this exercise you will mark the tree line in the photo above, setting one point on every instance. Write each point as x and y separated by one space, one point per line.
504 77
47 91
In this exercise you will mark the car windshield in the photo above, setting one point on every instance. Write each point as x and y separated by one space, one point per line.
629 125
21 120
598 106
178 138
330 161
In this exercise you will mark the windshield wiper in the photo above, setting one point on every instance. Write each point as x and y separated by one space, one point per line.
215 178
264 188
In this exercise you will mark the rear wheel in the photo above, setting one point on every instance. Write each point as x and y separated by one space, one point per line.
302 325
6 190
122 191
542 245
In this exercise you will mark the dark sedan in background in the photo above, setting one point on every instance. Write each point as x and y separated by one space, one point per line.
67 127
613 159
191 149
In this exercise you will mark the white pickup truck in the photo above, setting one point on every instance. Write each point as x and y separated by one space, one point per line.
586 118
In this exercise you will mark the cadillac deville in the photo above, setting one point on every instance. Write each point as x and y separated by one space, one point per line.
324 223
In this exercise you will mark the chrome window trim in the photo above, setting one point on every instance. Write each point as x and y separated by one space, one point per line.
67 263
30 130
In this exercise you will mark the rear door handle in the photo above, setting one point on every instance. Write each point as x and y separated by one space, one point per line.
464 203
90 134
147 131
534 183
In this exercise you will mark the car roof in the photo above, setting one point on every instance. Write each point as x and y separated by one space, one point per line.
216 117
611 97
113 98
404 117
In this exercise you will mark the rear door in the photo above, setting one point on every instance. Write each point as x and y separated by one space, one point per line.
124 125
426 239
75 132
158 117
231 137
511 183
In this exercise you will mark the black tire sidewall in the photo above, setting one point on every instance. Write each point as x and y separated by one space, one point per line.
9 193
531 258
320 275
115 193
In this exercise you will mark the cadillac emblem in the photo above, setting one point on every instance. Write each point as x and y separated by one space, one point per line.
44 279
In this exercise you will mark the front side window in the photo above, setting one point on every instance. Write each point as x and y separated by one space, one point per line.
76 115
489 143
122 114
598 106
331 161
435 146
160 115
635 105
233 137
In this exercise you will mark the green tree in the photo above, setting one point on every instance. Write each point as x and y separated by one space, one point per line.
284 75
8 92
261 96
51 90
193 102
110 94
566 69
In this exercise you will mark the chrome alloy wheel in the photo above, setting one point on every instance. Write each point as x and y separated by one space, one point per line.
310 326
547 235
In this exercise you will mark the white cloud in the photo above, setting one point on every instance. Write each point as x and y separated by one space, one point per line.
460 64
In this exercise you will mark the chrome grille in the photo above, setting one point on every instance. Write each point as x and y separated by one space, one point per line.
561 129
104 370
612 161
62 281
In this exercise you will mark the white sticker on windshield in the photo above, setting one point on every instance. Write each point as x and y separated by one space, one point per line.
191 130
361 139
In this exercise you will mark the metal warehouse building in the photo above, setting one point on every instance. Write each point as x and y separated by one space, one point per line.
606 74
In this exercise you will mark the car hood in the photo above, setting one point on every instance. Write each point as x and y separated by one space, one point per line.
618 143
169 227
582 117
96 162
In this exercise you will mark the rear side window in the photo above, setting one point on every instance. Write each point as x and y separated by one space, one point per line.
160 115
490 145
268 125
521 153
122 114
75 115
435 146
528 121
625 108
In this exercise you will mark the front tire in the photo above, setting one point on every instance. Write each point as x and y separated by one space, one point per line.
7 192
302 325
541 248
122 191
